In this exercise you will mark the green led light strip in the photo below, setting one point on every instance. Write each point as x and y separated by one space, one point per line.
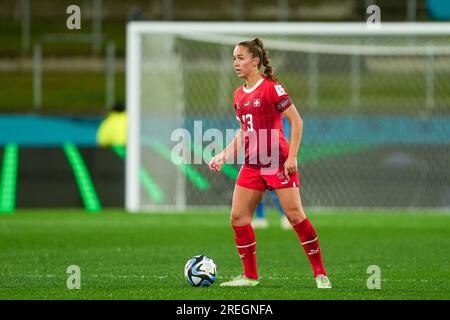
84 182
197 179
316 152
227 169
8 179
147 181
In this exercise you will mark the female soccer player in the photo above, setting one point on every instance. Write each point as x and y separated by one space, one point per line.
270 162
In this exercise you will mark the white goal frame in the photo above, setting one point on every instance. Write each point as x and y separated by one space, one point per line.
133 65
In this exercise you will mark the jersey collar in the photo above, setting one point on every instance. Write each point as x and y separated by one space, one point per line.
254 87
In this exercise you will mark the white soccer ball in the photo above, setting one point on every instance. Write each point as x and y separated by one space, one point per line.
200 271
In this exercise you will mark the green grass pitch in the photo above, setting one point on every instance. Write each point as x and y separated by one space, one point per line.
142 256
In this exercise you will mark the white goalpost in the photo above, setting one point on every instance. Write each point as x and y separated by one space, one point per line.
376 106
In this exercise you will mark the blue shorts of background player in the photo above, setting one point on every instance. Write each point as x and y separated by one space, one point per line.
260 221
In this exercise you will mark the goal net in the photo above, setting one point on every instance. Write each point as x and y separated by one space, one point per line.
375 105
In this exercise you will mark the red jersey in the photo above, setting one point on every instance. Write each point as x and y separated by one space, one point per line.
259 110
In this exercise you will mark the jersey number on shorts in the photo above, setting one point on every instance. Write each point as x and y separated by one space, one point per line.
249 122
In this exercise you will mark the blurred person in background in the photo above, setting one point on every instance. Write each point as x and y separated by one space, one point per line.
260 220
113 129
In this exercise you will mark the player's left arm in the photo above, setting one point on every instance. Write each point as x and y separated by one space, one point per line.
292 115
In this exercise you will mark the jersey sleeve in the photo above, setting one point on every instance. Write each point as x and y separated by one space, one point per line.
279 97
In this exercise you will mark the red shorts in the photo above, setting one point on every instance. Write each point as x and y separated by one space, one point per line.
262 179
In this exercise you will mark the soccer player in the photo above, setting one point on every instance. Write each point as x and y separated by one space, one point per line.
270 162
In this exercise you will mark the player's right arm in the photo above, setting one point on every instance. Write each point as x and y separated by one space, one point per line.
232 150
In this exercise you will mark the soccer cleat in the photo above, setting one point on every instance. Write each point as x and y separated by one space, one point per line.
285 224
323 282
260 223
240 281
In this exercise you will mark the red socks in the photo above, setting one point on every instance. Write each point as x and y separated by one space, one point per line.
246 245
310 243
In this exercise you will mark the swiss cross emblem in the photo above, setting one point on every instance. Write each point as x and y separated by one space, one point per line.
256 103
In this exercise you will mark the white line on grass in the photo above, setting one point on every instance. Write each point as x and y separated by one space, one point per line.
161 277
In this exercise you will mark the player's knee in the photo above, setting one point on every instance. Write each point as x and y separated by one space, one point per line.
238 218
295 215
